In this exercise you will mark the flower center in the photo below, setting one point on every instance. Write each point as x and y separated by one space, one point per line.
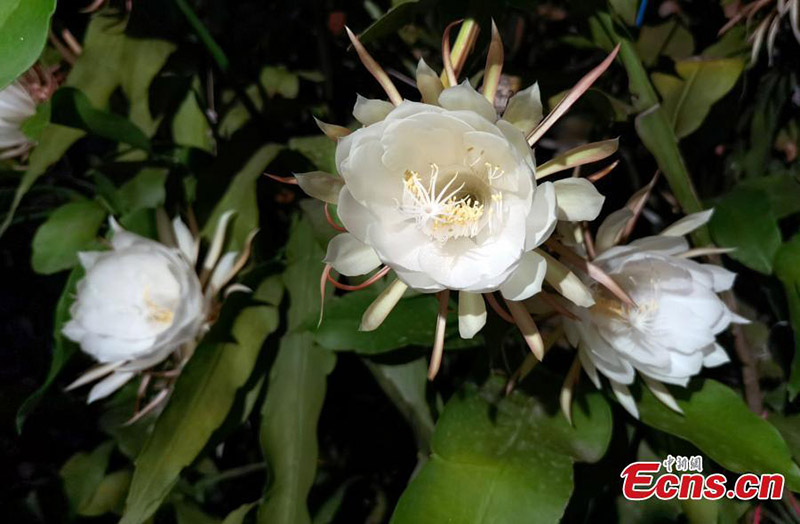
155 312
638 317
456 202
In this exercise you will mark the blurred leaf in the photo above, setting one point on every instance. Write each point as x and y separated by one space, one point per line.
782 189
732 44
669 39
187 512
397 17
405 384
109 496
203 395
63 348
190 126
789 426
787 268
106 49
238 515
320 150
277 80
716 420
626 9
241 198
330 507
34 126
70 228
297 384
145 190
72 108
703 82
411 323
82 475
744 220
503 458
24 25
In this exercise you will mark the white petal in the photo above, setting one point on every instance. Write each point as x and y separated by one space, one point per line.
541 220
527 279
217 241
723 279
717 356
88 258
524 109
590 368
661 392
221 272
188 245
351 257
320 185
612 227
464 96
471 313
577 199
93 374
688 224
428 82
109 385
380 308
625 398
566 282
369 111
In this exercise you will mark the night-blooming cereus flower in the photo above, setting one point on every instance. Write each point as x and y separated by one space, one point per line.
141 301
444 193
16 106
669 334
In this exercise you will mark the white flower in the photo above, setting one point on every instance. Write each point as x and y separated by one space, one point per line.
669 334
16 106
136 304
141 301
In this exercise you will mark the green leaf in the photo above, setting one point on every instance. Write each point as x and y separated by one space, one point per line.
405 384
82 475
787 268
703 82
203 396
34 126
63 348
241 197
782 189
328 509
187 512
109 495
503 458
70 228
716 420
398 16
238 515
279 81
669 39
190 126
109 60
72 108
319 149
23 32
789 427
297 383
411 323
744 220
144 191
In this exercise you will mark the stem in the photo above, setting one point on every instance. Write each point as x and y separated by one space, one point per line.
205 36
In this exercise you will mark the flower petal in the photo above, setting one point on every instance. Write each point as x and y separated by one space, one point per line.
471 313
715 355
187 244
577 199
380 308
541 220
464 96
369 111
320 185
527 279
610 231
351 257
625 398
428 82
109 385
524 109
566 282
661 392
688 224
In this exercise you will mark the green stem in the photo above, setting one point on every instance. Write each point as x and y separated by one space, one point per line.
653 127
205 36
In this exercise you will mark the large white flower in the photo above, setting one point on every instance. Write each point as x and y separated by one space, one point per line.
669 333
443 192
16 106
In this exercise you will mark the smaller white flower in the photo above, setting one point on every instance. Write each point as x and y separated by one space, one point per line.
16 106
142 301
669 334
